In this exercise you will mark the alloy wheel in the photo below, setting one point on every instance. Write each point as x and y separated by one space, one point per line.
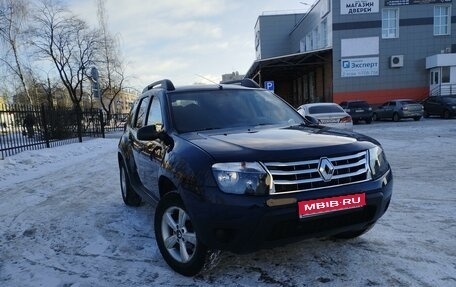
178 235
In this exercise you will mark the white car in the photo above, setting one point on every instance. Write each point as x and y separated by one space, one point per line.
328 114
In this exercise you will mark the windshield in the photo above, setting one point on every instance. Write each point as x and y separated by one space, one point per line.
207 110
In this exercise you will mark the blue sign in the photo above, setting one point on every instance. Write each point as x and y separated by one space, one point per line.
269 85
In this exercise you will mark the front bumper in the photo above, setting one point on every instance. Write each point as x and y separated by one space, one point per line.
411 114
247 223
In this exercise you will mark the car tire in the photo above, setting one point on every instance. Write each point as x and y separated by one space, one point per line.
129 196
396 117
425 114
416 119
375 117
369 121
176 237
446 114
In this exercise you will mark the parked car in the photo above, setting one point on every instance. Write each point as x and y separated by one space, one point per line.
327 114
444 106
358 110
234 167
399 109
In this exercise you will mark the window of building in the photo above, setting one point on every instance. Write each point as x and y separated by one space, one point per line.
308 42
442 20
445 74
390 23
324 33
316 38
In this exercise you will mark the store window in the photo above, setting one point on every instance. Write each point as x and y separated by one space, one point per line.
442 20
390 23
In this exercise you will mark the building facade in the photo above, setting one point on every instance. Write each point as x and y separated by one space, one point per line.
374 50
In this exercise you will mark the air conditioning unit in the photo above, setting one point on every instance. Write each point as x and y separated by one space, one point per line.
397 61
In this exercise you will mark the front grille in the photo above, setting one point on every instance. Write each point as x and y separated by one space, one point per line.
300 176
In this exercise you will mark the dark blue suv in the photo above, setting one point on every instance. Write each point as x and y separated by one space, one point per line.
234 167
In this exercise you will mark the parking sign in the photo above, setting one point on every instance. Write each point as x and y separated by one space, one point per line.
269 85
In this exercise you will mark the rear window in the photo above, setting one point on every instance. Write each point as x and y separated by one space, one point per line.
359 104
408 102
325 109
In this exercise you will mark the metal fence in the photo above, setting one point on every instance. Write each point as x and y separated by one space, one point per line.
30 127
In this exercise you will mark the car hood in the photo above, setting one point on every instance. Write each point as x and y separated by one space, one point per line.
278 144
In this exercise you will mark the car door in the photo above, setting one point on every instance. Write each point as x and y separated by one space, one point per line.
139 146
431 106
149 154
438 106
391 109
382 111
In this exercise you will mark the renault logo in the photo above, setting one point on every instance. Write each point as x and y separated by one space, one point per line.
326 169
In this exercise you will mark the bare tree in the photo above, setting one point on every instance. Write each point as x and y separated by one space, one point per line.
68 42
12 18
110 64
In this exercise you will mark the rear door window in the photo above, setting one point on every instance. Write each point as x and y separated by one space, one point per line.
141 114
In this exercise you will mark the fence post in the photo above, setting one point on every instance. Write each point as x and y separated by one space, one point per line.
102 123
45 125
79 121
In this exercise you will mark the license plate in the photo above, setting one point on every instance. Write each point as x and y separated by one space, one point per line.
329 121
359 111
325 205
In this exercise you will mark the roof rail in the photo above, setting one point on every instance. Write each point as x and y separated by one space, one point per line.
165 84
246 82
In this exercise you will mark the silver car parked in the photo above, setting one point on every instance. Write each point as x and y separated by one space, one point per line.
327 114
399 109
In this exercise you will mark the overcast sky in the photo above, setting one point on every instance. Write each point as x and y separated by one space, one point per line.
182 39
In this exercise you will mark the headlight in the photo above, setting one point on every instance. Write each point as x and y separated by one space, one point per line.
241 178
377 162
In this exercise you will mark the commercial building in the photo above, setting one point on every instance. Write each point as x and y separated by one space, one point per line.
374 50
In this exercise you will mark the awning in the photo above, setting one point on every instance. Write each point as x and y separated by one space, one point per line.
289 62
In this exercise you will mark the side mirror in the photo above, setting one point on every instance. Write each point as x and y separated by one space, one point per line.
147 133
311 120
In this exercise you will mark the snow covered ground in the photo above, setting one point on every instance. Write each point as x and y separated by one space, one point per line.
63 223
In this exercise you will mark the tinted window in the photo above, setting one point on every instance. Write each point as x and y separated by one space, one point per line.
155 116
449 100
141 115
359 104
206 110
323 109
408 102
131 115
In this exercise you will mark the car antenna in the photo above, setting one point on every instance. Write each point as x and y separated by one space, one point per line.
209 80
